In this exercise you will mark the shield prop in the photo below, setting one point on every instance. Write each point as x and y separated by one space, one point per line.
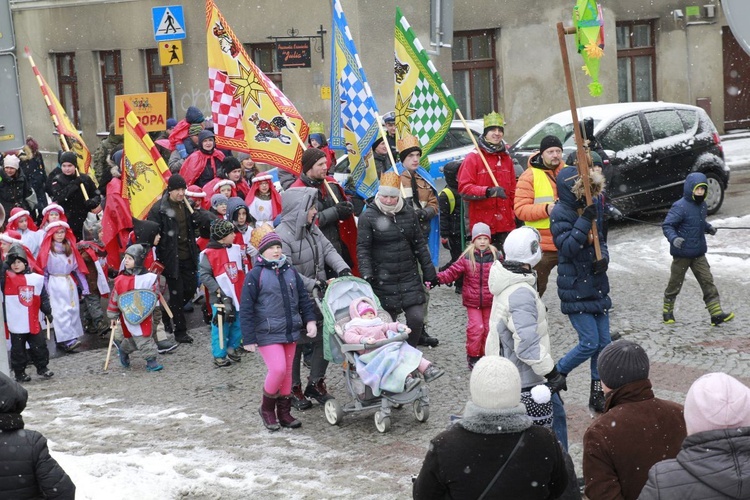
137 305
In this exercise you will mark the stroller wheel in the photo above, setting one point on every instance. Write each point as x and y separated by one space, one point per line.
333 412
421 412
382 422
397 406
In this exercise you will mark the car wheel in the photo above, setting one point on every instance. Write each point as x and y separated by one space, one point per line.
715 194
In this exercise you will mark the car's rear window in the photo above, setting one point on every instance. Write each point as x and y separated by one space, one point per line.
664 123
689 118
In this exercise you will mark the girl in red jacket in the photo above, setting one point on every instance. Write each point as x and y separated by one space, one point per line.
474 265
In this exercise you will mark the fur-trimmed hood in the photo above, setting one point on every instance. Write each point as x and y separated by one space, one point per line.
485 421
570 188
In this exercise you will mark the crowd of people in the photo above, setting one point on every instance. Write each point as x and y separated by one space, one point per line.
221 230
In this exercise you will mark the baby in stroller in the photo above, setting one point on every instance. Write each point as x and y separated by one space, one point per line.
389 367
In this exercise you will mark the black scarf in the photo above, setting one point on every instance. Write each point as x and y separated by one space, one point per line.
491 148
11 421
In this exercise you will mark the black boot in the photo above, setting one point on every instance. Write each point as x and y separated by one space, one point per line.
426 340
317 391
284 412
718 316
267 412
596 399
472 360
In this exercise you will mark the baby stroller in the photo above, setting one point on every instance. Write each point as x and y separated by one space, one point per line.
335 308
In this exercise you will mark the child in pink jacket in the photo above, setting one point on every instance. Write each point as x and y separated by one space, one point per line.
474 265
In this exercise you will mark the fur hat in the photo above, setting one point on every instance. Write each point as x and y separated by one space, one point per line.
220 229
480 229
69 157
11 161
390 184
269 239
176 181
622 362
310 157
716 401
230 164
406 145
218 199
195 191
549 141
495 383
522 245
223 182
52 206
262 178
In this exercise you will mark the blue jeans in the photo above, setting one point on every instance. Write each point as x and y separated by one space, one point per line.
232 336
593 336
559 421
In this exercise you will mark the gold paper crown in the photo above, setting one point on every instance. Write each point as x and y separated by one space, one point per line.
316 128
494 120
390 179
259 233
407 141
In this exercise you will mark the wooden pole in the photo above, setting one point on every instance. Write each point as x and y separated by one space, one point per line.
390 153
304 148
112 325
166 306
48 328
479 151
584 160
220 321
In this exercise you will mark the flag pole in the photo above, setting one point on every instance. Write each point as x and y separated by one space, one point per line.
584 160
291 127
474 140
63 142
390 153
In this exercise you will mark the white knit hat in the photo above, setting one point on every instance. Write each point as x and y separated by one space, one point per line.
11 161
717 401
495 383
522 245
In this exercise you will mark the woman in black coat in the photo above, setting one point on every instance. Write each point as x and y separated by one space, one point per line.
391 250
26 468
64 186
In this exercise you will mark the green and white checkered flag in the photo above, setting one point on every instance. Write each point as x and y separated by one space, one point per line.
424 105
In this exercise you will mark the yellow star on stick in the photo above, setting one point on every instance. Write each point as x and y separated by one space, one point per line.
403 112
246 85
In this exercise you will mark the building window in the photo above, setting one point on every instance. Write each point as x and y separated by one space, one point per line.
474 72
264 56
67 83
159 77
636 61
111 65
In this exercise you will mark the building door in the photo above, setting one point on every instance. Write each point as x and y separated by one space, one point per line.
736 83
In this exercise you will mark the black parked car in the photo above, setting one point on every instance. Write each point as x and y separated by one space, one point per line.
652 147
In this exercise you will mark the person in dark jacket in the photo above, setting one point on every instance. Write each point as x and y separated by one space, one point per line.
65 188
494 451
32 166
714 462
27 471
615 465
391 249
380 156
451 213
582 283
15 189
177 251
275 307
685 227
112 143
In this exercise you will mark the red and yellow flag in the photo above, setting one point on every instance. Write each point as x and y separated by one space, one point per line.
144 171
246 106
70 139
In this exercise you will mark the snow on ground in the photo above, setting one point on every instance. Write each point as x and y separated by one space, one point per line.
736 153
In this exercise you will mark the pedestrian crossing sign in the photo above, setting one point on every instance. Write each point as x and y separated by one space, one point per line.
169 23
170 53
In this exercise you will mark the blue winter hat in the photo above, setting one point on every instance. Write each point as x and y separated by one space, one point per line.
171 123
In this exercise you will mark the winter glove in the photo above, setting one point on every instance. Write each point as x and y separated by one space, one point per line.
446 243
181 149
600 266
677 242
556 381
312 329
431 284
50 319
496 192
91 203
215 321
345 272
615 214
344 209
321 286
229 312
589 213
711 230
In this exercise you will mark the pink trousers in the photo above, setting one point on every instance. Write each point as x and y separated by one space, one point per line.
477 328
278 359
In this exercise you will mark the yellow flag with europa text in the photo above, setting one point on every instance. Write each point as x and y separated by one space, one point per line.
70 139
247 108
144 171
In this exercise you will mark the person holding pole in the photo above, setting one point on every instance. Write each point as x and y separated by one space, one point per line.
487 181
222 271
67 186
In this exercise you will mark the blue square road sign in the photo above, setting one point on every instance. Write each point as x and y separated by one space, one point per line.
169 23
